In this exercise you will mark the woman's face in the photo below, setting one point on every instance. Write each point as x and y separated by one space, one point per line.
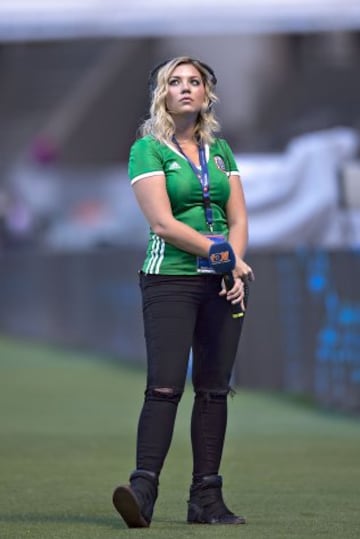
186 91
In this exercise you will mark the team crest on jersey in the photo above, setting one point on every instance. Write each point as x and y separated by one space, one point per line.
219 162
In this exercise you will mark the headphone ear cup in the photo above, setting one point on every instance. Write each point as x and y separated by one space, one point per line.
211 72
152 80
210 106
151 83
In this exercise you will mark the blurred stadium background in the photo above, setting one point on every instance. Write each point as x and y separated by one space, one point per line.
73 91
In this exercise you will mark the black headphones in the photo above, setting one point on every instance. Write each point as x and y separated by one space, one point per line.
152 82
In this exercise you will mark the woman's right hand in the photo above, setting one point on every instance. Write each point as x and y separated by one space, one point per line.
243 270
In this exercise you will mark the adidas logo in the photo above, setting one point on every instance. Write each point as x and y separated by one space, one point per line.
174 166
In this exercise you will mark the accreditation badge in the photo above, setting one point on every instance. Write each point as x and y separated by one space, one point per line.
203 264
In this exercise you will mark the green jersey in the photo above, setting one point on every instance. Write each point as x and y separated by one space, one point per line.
148 158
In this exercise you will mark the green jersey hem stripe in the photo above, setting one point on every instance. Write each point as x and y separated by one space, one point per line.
156 255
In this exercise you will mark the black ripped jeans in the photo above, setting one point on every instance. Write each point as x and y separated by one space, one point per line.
180 313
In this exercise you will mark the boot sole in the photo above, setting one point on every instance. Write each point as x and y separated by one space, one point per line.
218 522
126 504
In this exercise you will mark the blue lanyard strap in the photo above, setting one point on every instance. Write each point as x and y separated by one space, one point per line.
203 177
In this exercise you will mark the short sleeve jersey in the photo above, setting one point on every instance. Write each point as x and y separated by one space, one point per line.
149 158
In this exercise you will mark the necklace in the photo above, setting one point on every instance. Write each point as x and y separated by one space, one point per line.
190 141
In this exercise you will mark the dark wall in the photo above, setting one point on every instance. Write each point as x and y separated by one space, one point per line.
78 300
303 329
301 333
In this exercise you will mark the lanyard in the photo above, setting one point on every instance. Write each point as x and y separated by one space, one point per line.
203 177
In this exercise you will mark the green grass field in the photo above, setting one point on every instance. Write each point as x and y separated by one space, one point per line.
68 425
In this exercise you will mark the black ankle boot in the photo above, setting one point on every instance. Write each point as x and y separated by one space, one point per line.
206 504
135 502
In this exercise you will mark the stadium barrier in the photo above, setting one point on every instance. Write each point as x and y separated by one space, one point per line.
301 333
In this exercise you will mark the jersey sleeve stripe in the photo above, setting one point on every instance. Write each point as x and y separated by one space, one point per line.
147 175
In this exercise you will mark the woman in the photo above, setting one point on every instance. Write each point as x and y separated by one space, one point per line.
187 185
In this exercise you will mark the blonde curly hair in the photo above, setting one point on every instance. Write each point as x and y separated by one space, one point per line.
160 123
